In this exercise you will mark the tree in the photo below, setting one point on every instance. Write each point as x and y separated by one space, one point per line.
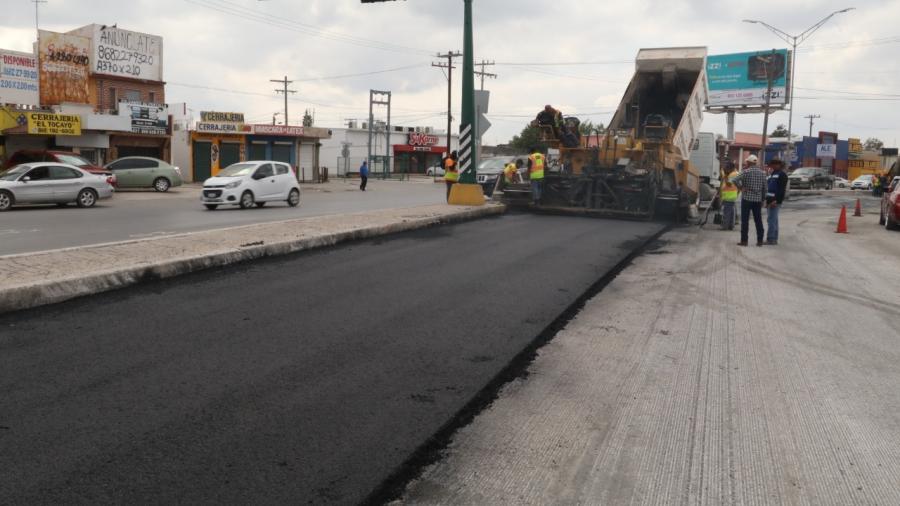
873 144
307 118
780 131
589 128
528 139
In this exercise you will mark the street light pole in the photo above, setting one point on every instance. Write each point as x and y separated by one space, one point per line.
794 41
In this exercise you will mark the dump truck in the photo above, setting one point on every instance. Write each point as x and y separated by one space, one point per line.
640 167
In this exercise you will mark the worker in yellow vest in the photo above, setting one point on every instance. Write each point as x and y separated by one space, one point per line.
536 174
729 196
511 172
451 172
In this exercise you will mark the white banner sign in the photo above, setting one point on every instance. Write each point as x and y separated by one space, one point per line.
826 151
152 119
18 78
125 53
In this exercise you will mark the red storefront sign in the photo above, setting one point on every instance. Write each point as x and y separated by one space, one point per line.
424 140
293 131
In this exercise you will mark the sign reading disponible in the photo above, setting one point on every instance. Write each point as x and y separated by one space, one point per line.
18 78
42 123
741 79
125 53
64 63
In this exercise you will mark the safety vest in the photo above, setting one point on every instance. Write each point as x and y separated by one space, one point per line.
509 171
729 190
450 172
537 166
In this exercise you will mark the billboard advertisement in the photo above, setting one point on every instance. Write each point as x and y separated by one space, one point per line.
150 119
18 78
124 53
64 64
739 79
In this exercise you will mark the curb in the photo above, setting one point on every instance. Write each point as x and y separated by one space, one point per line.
29 296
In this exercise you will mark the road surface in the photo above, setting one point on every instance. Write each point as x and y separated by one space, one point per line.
301 379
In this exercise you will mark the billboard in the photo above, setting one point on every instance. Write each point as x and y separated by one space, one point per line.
739 79
18 78
124 53
64 64
152 119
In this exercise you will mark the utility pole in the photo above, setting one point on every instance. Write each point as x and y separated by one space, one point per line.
285 82
37 29
811 117
481 73
449 55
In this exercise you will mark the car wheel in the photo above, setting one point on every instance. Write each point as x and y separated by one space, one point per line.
211 207
246 200
294 198
6 200
161 184
260 204
86 198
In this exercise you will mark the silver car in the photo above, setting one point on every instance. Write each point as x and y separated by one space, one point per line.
52 183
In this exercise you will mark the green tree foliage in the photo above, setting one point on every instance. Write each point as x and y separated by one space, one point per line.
780 131
873 144
307 118
528 139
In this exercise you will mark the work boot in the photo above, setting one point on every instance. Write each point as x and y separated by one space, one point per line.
741 244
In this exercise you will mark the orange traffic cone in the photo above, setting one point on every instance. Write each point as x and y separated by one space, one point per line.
858 211
842 221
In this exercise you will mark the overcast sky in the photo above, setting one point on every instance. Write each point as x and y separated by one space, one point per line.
220 54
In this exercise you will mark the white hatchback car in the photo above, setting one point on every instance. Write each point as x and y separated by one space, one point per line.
251 183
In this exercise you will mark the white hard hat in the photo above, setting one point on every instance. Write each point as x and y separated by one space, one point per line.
752 159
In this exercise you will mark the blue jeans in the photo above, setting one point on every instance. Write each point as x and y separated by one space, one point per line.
772 218
536 186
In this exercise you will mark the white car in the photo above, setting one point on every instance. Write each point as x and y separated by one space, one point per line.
436 170
52 183
247 184
863 182
840 182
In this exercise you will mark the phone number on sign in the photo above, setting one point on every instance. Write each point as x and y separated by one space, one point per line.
14 72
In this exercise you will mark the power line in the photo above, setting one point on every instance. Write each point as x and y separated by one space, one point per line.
851 92
482 73
361 74
286 91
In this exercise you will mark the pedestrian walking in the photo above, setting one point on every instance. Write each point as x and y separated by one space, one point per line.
729 196
752 183
451 172
776 187
536 175
363 175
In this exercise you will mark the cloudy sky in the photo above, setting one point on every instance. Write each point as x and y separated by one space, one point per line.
574 54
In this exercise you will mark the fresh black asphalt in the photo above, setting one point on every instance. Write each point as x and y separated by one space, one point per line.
300 379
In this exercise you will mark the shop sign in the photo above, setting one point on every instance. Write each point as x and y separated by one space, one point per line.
125 53
63 62
221 117
18 78
42 123
826 150
148 119
222 128
294 131
419 139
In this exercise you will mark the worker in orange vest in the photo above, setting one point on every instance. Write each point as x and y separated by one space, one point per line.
451 172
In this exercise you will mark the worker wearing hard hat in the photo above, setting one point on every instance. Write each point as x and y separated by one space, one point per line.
752 183
511 171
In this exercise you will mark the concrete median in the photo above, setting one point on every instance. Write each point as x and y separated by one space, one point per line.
31 280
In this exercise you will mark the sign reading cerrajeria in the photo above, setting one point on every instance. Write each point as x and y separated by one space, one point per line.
221 117
221 122
43 123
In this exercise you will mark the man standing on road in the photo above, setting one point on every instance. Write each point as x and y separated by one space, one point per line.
729 196
363 175
536 175
752 182
451 172
776 188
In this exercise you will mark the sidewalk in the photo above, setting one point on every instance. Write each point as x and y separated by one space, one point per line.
35 279
707 374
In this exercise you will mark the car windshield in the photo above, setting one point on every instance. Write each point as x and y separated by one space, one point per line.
491 165
73 160
864 177
13 173
237 170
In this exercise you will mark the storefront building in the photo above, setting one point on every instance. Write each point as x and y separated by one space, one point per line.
297 146
418 153
218 140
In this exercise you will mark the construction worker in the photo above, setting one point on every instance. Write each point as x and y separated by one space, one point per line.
550 117
451 172
729 197
511 172
536 174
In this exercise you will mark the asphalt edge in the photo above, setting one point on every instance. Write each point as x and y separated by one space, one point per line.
29 296
391 490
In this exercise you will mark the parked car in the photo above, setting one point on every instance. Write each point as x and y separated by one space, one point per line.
840 182
255 182
52 183
863 182
43 155
145 172
890 205
811 178
435 170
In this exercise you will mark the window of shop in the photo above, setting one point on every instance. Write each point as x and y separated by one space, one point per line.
133 95
202 160
258 150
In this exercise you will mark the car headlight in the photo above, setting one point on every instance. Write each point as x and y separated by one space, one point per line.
234 184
